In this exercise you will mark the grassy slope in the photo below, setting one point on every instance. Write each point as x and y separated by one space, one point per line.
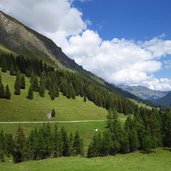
19 108
159 160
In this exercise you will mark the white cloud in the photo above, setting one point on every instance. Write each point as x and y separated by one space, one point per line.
118 61
121 61
46 15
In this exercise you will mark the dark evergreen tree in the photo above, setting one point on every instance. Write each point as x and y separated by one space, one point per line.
96 146
7 92
115 130
2 156
42 89
146 140
52 92
58 144
2 144
85 98
65 140
166 128
12 71
71 145
78 144
64 87
34 82
30 93
17 84
4 66
22 84
71 92
19 147
53 113
9 144
2 91
56 89
131 131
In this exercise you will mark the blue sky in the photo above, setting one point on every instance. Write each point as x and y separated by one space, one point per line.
130 19
122 41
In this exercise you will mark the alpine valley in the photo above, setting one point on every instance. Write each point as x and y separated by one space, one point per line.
53 109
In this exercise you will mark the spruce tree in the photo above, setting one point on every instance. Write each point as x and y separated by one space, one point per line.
55 144
42 89
22 84
65 140
64 87
9 144
52 92
71 91
12 71
2 142
4 66
130 129
17 84
71 145
85 98
116 132
2 91
19 146
34 82
58 144
53 114
2 156
30 93
78 144
7 92
56 89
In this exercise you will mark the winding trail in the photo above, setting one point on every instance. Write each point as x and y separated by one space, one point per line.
40 122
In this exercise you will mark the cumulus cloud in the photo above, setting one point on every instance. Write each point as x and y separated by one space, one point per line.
46 15
121 61
118 61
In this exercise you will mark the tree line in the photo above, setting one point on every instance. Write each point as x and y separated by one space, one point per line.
145 130
71 84
41 143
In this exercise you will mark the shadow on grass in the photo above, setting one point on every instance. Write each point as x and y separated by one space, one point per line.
167 149
147 152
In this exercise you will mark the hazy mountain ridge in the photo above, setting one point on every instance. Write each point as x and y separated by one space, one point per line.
165 101
144 92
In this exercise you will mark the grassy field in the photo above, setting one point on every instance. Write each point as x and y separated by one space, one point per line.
159 160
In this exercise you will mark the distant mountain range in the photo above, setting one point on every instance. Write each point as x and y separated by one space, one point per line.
162 98
144 92
165 101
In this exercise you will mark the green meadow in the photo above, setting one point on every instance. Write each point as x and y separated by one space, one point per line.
158 160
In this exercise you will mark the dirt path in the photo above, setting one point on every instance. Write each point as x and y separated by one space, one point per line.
40 122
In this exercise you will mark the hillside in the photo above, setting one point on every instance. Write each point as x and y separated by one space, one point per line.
18 107
164 101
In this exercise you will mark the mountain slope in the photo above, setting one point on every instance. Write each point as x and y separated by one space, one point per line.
165 101
20 39
144 92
